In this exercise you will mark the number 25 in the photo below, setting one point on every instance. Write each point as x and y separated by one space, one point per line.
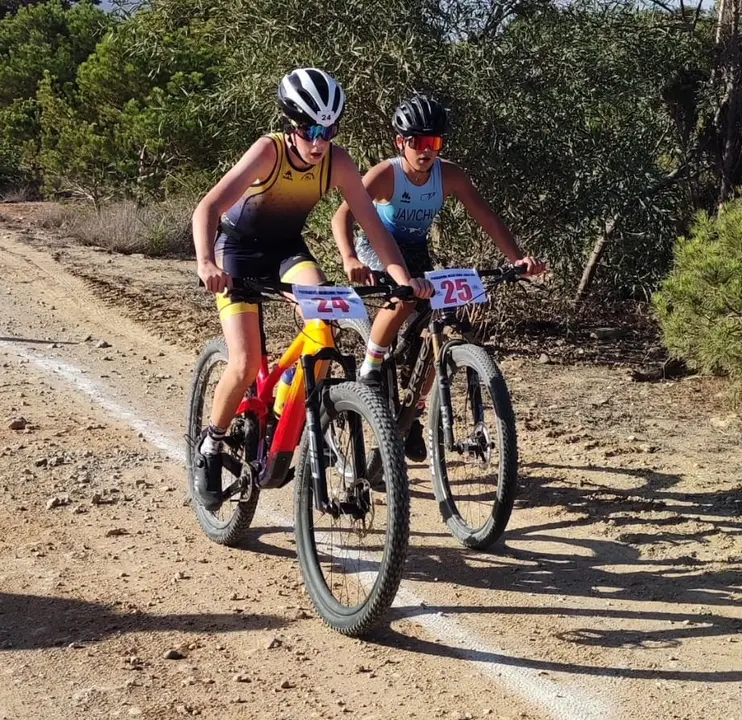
461 289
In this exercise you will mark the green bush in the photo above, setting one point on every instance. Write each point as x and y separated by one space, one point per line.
37 41
566 115
700 303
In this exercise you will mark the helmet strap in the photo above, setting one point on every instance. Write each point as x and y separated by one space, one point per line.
289 132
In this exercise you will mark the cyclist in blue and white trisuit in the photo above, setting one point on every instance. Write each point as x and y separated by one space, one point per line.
408 192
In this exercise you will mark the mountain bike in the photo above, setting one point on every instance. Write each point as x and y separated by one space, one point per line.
471 435
351 549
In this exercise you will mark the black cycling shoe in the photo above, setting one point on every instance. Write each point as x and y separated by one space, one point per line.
207 486
414 444
372 379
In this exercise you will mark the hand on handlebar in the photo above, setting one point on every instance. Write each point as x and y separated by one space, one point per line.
358 273
534 265
213 277
422 288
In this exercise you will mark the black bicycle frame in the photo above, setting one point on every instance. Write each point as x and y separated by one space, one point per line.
431 354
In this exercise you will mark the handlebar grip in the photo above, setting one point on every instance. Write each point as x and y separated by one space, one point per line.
403 292
505 272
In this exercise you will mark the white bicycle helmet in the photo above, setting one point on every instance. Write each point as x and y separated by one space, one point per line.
310 96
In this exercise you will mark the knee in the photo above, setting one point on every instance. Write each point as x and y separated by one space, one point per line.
405 309
244 367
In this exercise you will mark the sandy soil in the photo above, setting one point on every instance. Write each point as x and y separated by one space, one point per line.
615 594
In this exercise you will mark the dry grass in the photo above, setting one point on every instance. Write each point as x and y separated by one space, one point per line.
18 194
157 230
62 217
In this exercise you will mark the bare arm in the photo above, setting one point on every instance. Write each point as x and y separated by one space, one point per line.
379 184
256 163
346 178
456 182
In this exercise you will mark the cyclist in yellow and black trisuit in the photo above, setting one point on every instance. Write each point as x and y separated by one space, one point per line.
249 225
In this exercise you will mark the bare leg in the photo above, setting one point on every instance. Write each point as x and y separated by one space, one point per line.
383 331
304 273
242 334
387 323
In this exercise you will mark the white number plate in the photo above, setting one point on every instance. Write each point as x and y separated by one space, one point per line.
320 302
457 286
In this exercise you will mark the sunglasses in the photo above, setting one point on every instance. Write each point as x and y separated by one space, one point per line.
425 142
316 132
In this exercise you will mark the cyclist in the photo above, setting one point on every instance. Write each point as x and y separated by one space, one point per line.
249 225
408 192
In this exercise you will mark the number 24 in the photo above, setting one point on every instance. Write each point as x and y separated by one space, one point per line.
323 305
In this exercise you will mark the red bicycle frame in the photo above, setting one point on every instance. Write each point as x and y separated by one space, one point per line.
315 336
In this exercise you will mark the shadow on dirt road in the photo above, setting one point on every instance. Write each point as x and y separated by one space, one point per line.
32 622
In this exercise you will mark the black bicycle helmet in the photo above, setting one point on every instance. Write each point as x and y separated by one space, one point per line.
420 115
310 96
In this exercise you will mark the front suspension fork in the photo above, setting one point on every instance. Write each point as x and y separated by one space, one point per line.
314 430
315 394
444 386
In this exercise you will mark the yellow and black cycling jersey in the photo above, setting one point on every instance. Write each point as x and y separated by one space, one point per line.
260 235
276 208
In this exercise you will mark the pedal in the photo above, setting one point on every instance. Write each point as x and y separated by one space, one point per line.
233 442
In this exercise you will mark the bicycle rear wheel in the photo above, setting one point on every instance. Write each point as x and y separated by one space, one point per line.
352 559
228 525
475 483
351 338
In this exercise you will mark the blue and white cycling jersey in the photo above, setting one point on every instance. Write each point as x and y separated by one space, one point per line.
408 215
412 208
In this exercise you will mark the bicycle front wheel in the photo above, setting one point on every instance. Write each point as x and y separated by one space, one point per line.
475 482
352 554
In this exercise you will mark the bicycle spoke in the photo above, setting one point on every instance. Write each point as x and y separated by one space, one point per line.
476 478
473 465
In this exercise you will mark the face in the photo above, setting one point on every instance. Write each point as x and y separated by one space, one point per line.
311 151
418 150
313 141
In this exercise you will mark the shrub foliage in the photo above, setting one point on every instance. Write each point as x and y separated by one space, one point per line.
700 302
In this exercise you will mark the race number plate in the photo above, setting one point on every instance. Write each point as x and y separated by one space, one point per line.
320 302
454 287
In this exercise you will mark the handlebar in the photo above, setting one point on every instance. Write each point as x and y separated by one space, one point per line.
255 291
401 292
505 273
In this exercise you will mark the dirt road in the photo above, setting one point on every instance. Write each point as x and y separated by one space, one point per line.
616 593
